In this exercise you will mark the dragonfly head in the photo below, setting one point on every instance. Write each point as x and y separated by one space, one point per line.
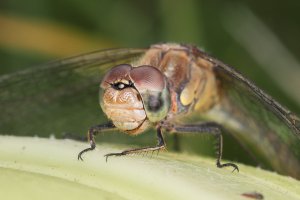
132 97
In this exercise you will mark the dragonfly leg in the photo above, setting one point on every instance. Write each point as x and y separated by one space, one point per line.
209 128
93 131
160 145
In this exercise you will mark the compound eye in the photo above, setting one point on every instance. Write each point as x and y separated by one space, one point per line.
116 73
147 78
152 86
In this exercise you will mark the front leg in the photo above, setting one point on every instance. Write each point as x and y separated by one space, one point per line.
93 131
210 128
160 145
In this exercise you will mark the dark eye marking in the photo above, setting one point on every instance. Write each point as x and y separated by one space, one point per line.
155 103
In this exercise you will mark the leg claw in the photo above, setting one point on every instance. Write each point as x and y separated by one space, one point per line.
113 154
235 167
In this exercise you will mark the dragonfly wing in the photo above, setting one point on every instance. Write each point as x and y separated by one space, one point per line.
58 97
260 123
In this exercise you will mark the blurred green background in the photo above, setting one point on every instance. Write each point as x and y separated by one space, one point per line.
259 38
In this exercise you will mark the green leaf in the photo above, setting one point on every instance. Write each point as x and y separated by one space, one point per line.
36 168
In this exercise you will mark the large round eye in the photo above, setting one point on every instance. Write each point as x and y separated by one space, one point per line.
116 73
152 86
147 78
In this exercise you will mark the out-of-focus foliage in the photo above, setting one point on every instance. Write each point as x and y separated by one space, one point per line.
37 31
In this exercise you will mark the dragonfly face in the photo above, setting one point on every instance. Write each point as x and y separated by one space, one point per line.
133 97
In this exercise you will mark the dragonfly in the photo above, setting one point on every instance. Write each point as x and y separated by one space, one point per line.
162 87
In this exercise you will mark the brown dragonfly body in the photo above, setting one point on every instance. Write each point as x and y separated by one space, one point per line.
203 86
193 83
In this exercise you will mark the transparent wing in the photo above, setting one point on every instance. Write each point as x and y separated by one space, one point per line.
262 125
59 97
